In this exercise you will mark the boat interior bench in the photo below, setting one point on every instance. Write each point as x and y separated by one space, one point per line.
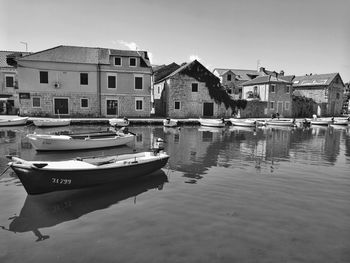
110 159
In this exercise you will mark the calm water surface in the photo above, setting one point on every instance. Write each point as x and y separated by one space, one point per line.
226 195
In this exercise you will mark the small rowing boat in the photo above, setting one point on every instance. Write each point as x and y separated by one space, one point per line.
50 122
170 122
79 141
39 177
119 122
281 122
243 122
212 122
13 122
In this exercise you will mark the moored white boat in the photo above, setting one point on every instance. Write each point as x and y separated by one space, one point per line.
339 122
13 121
119 122
281 122
51 122
170 122
243 122
39 177
212 122
49 142
320 122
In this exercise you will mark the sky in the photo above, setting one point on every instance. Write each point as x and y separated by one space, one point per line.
297 36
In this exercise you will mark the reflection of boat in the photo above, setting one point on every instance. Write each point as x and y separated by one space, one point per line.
47 176
51 142
211 129
55 208
13 121
170 122
243 122
320 122
281 122
121 122
50 122
212 122
241 128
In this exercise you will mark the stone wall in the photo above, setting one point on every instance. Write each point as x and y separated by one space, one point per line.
255 109
179 88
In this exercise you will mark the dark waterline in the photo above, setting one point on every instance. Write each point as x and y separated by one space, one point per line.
226 195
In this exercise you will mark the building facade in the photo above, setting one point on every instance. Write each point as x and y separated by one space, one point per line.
325 89
9 102
275 92
85 82
185 93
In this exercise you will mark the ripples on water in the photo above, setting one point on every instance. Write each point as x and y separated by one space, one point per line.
226 195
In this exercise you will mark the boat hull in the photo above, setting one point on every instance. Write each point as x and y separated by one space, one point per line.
170 123
39 181
212 123
13 122
119 122
42 142
285 123
51 123
243 123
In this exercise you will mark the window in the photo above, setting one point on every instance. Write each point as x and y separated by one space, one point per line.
272 105
112 82
338 96
10 81
44 77
229 77
84 79
194 87
288 89
84 103
139 104
132 62
36 102
117 61
286 105
272 88
138 82
177 105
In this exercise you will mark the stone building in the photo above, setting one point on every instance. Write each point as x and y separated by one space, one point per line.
273 93
325 89
9 102
85 82
232 79
191 91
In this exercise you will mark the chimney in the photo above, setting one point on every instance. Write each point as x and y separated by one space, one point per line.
281 73
262 69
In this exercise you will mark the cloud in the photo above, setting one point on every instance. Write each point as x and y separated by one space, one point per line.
129 45
193 57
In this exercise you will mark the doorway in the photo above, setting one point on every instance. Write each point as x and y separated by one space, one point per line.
61 106
208 109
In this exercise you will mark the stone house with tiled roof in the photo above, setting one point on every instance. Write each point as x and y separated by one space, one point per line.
9 102
85 82
325 89
232 79
192 91
274 92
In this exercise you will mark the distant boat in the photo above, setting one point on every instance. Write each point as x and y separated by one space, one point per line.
281 122
170 122
51 122
243 122
119 122
39 177
49 142
339 122
13 121
320 122
212 122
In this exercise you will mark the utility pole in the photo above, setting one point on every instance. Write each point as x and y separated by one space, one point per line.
26 44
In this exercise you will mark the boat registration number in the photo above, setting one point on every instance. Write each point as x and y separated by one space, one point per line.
61 181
